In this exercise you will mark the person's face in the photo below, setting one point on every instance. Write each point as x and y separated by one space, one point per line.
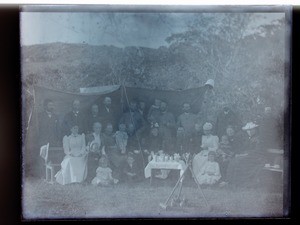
97 128
226 110
107 101
211 158
95 109
180 132
130 128
251 132
103 163
109 129
154 132
50 107
268 111
142 105
157 102
163 106
130 160
74 130
225 140
186 107
206 132
133 106
197 127
122 127
76 105
230 132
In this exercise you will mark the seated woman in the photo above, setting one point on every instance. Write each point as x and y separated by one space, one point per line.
74 165
210 172
243 170
96 150
209 143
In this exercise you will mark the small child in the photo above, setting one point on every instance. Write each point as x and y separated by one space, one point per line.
104 174
131 169
122 138
210 172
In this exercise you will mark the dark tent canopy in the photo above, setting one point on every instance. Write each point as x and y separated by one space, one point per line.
120 96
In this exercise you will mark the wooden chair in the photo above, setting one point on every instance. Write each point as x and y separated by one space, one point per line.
44 153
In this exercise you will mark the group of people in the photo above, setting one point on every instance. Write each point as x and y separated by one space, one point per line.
104 150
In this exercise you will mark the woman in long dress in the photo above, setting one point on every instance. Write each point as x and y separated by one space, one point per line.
74 165
209 143
244 169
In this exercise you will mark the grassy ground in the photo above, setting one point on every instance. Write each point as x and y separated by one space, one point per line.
43 200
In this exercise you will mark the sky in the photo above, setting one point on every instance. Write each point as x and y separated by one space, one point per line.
118 29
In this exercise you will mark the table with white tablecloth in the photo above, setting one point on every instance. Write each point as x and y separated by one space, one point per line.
169 165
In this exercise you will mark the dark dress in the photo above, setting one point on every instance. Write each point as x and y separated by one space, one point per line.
243 171
116 158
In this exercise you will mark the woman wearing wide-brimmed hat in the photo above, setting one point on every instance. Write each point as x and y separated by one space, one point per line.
244 169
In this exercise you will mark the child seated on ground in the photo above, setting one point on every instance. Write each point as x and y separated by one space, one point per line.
121 138
131 169
104 174
210 172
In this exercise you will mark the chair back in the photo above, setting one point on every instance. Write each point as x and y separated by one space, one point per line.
44 152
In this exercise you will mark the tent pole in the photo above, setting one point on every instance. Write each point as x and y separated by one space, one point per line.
139 143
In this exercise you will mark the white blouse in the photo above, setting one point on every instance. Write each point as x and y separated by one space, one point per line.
74 145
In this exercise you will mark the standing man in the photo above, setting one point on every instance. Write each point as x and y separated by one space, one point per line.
75 116
48 132
48 129
187 120
154 112
106 113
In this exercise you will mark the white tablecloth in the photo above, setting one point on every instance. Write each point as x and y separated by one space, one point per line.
172 165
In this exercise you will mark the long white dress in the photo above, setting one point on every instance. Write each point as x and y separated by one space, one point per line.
209 167
74 165
209 143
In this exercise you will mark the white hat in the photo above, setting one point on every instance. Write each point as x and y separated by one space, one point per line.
210 82
249 126
207 126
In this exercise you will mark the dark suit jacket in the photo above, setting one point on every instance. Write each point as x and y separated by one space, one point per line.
48 129
70 119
